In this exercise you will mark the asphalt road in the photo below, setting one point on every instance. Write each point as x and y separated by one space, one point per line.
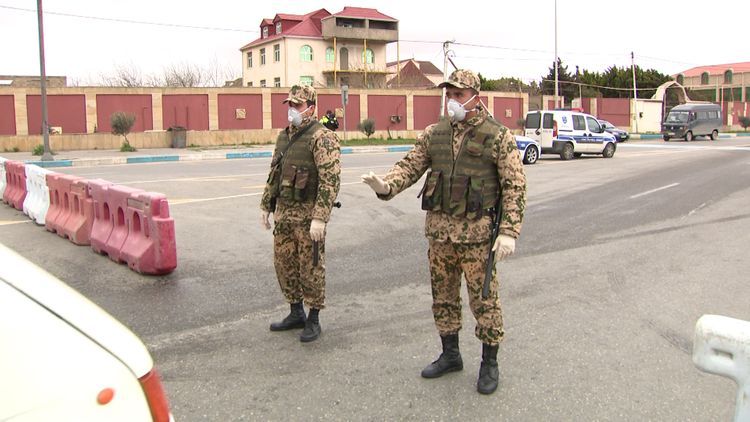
617 260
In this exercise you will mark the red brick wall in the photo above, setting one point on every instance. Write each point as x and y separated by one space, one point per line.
279 111
333 101
187 110
515 105
426 110
66 111
614 110
382 107
253 105
7 115
138 105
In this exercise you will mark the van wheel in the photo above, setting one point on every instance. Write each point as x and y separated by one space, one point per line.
666 139
689 136
609 151
531 155
714 135
577 154
567 152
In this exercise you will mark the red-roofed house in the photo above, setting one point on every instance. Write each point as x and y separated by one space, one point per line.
723 82
320 49
412 73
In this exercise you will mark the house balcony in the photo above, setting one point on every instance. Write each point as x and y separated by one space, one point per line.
359 29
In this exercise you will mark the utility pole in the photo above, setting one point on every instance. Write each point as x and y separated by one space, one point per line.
557 104
635 93
580 91
446 45
47 155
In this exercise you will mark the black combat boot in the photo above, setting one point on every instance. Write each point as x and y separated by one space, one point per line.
295 319
312 327
488 372
449 360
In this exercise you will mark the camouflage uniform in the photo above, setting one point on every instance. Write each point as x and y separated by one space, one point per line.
293 260
458 245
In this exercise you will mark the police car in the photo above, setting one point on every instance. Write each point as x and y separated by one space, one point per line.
569 134
528 148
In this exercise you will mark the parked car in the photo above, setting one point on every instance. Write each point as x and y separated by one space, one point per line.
65 359
528 148
569 134
620 134
687 121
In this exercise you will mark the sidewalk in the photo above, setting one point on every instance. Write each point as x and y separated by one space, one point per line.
87 158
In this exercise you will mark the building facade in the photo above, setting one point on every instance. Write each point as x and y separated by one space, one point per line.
718 83
320 49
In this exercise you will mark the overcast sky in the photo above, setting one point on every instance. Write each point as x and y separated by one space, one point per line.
670 36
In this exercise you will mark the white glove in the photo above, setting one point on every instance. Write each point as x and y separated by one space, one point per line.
264 220
317 230
504 247
376 183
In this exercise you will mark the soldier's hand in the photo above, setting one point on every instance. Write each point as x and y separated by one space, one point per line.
317 230
264 220
376 183
504 247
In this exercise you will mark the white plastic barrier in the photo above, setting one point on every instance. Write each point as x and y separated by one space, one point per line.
722 347
2 177
36 203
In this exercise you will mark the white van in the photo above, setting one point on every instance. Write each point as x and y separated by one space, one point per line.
569 133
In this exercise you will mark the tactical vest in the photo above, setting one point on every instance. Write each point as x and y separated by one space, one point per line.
468 186
297 180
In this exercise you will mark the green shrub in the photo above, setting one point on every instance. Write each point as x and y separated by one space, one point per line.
126 147
38 150
745 122
367 127
121 125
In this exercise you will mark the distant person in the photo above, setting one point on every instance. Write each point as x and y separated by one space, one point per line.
474 169
329 120
302 186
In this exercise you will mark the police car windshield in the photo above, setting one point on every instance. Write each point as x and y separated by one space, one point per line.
677 117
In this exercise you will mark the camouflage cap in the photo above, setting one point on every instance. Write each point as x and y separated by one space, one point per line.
462 78
300 94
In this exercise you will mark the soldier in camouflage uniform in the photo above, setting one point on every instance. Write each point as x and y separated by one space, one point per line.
302 186
473 164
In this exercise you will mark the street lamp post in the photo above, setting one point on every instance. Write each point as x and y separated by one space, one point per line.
46 156
556 81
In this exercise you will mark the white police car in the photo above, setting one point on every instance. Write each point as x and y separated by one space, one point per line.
528 148
569 133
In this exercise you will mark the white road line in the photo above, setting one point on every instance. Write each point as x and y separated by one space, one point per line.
10 222
653 190
219 198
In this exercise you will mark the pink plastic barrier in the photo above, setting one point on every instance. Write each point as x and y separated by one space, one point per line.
117 199
15 191
61 201
78 225
102 225
150 247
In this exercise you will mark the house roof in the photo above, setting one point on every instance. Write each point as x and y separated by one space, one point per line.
363 13
717 69
410 76
426 67
308 26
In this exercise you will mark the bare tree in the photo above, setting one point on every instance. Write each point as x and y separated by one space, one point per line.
125 75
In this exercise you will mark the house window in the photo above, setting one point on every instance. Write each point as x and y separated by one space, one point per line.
278 27
681 79
330 54
276 52
728 77
262 56
306 80
704 78
265 32
249 59
250 83
277 82
306 53
262 83
368 56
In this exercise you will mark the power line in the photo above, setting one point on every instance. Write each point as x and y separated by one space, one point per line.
598 86
99 18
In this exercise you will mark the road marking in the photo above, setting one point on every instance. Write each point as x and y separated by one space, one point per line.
219 198
10 222
653 190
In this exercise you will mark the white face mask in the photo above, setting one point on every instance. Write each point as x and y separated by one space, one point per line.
456 110
295 117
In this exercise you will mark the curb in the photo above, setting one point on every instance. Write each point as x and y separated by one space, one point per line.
90 162
645 136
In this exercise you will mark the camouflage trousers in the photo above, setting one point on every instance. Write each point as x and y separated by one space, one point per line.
448 261
293 260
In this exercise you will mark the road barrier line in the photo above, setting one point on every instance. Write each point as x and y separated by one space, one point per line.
648 192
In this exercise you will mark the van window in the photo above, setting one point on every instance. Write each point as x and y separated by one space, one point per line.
702 115
677 117
547 122
579 123
594 126
532 120
713 114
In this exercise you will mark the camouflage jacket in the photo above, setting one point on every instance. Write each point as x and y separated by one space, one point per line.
441 226
327 154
